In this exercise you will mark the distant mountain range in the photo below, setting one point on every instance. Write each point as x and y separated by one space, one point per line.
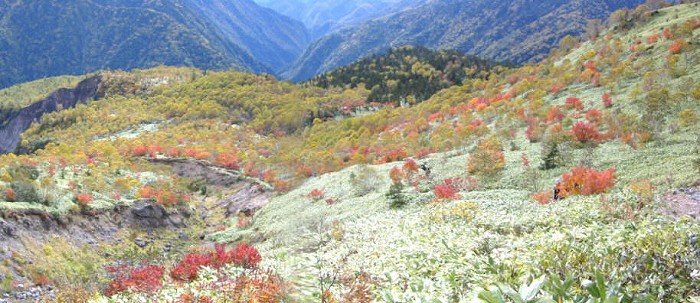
46 38
515 31
40 39
324 16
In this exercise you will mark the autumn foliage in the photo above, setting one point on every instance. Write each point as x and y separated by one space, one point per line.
585 181
487 158
147 278
585 132
10 195
242 255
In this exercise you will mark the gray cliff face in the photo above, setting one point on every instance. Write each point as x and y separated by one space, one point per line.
63 98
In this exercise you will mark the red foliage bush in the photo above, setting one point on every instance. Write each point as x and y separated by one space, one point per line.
316 194
245 256
585 132
594 116
653 38
448 189
607 100
139 151
10 195
229 161
396 175
188 268
83 199
677 46
242 255
586 181
147 278
667 33
542 197
575 103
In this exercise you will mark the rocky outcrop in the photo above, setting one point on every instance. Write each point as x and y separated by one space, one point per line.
149 215
63 98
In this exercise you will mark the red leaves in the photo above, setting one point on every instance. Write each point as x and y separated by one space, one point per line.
585 132
448 189
229 161
83 199
316 194
147 278
242 255
677 46
653 39
586 181
10 195
542 197
188 268
607 100
246 256
574 103
162 195
396 175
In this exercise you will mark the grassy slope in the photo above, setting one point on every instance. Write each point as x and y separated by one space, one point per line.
405 247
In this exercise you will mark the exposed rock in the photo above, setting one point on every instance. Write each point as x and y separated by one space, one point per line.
63 98
683 202
147 214
248 199
140 242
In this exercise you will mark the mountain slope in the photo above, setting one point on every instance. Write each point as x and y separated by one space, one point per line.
515 31
407 74
322 17
565 179
80 36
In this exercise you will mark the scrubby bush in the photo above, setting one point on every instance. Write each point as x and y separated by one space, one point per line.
488 158
585 132
24 191
147 278
585 181
242 255
365 181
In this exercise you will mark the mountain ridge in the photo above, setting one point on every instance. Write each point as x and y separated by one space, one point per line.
469 26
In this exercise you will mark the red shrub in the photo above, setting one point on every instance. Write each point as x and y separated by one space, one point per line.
83 199
448 189
410 167
585 132
245 256
148 278
667 33
594 116
555 115
188 267
607 100
396 175
173 152
653 38
316 194
10 195
229 161
677 46
139 151
574 103
585 181
542 197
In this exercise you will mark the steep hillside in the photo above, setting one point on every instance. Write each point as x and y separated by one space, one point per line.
80 36
570 180
322 17
407 74
515 31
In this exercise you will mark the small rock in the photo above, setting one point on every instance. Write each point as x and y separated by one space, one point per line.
182 236
140 242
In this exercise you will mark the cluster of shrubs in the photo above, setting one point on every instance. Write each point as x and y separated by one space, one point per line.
149 278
